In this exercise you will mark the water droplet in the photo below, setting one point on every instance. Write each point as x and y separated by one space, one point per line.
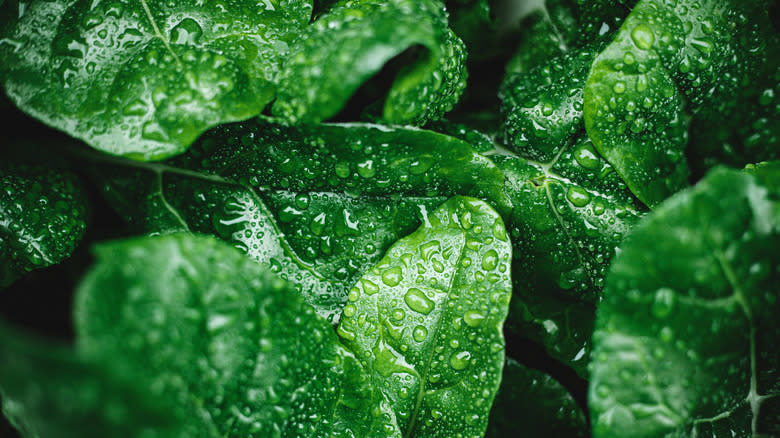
419 333
643 36
369 287
473 318
188 31
392 276
417 301
366 169
577 196
460 360
587 157
490 260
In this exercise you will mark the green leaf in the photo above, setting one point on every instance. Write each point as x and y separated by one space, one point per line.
426 320
686 337
144 79
214 331
669 62
353 41
536 401
341 196
49 392
43 214
569 215
543 107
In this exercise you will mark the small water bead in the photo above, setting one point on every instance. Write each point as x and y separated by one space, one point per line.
459 361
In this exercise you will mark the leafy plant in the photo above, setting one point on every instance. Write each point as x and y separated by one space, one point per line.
389 218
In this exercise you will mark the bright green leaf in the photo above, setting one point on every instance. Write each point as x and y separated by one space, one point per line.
144 79
214 331
426 320
669 63
686 337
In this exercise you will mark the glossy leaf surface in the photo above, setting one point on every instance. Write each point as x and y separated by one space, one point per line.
537 401
48 392
426 320
353 41
342 194
690 312
43 214
568 217
670 60
144 79
214 331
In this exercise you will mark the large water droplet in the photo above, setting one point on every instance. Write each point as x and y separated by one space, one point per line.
417 301
643 36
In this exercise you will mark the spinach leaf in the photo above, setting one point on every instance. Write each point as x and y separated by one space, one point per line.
43 214
670 61
49 392
353 41
686 337
537 401
342 195
426 320
144 79
568 217
214 331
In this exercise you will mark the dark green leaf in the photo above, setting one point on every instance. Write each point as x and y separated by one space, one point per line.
48 392
426 320
686 337
43 213
340 195
144 79
214 331
353 41
568 217
668 62
536 401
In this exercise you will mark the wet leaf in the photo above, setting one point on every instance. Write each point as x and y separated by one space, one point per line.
685 339
569 215
144 79
426 320
353 41
43 214
340 195
215 332
669 63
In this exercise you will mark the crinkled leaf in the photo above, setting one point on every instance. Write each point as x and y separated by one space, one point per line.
353 41
426 320
686 337
43 213
144 79
214 331
538 402
568 217
668 62
543 107
305 219
48 392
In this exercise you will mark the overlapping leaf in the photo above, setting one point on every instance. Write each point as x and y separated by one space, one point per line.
215 332
426 321
43 214
317 204
690 313
671 61
145 79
